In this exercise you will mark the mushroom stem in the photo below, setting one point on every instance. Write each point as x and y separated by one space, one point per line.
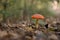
36 23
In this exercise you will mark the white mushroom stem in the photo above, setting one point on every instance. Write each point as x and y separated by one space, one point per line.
37 23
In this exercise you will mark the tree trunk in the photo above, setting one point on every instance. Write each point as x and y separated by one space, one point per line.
31 6
5 7
25 11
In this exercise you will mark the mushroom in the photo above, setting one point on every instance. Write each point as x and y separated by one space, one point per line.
37 17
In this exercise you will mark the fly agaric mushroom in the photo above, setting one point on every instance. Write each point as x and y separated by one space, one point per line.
37 17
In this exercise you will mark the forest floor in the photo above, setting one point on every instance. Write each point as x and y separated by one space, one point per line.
24 32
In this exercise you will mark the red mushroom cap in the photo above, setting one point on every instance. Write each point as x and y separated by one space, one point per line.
37 16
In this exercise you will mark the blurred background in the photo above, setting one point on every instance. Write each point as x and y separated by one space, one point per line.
16 14
23 9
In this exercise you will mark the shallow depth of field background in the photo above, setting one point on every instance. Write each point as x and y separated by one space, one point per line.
15 18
